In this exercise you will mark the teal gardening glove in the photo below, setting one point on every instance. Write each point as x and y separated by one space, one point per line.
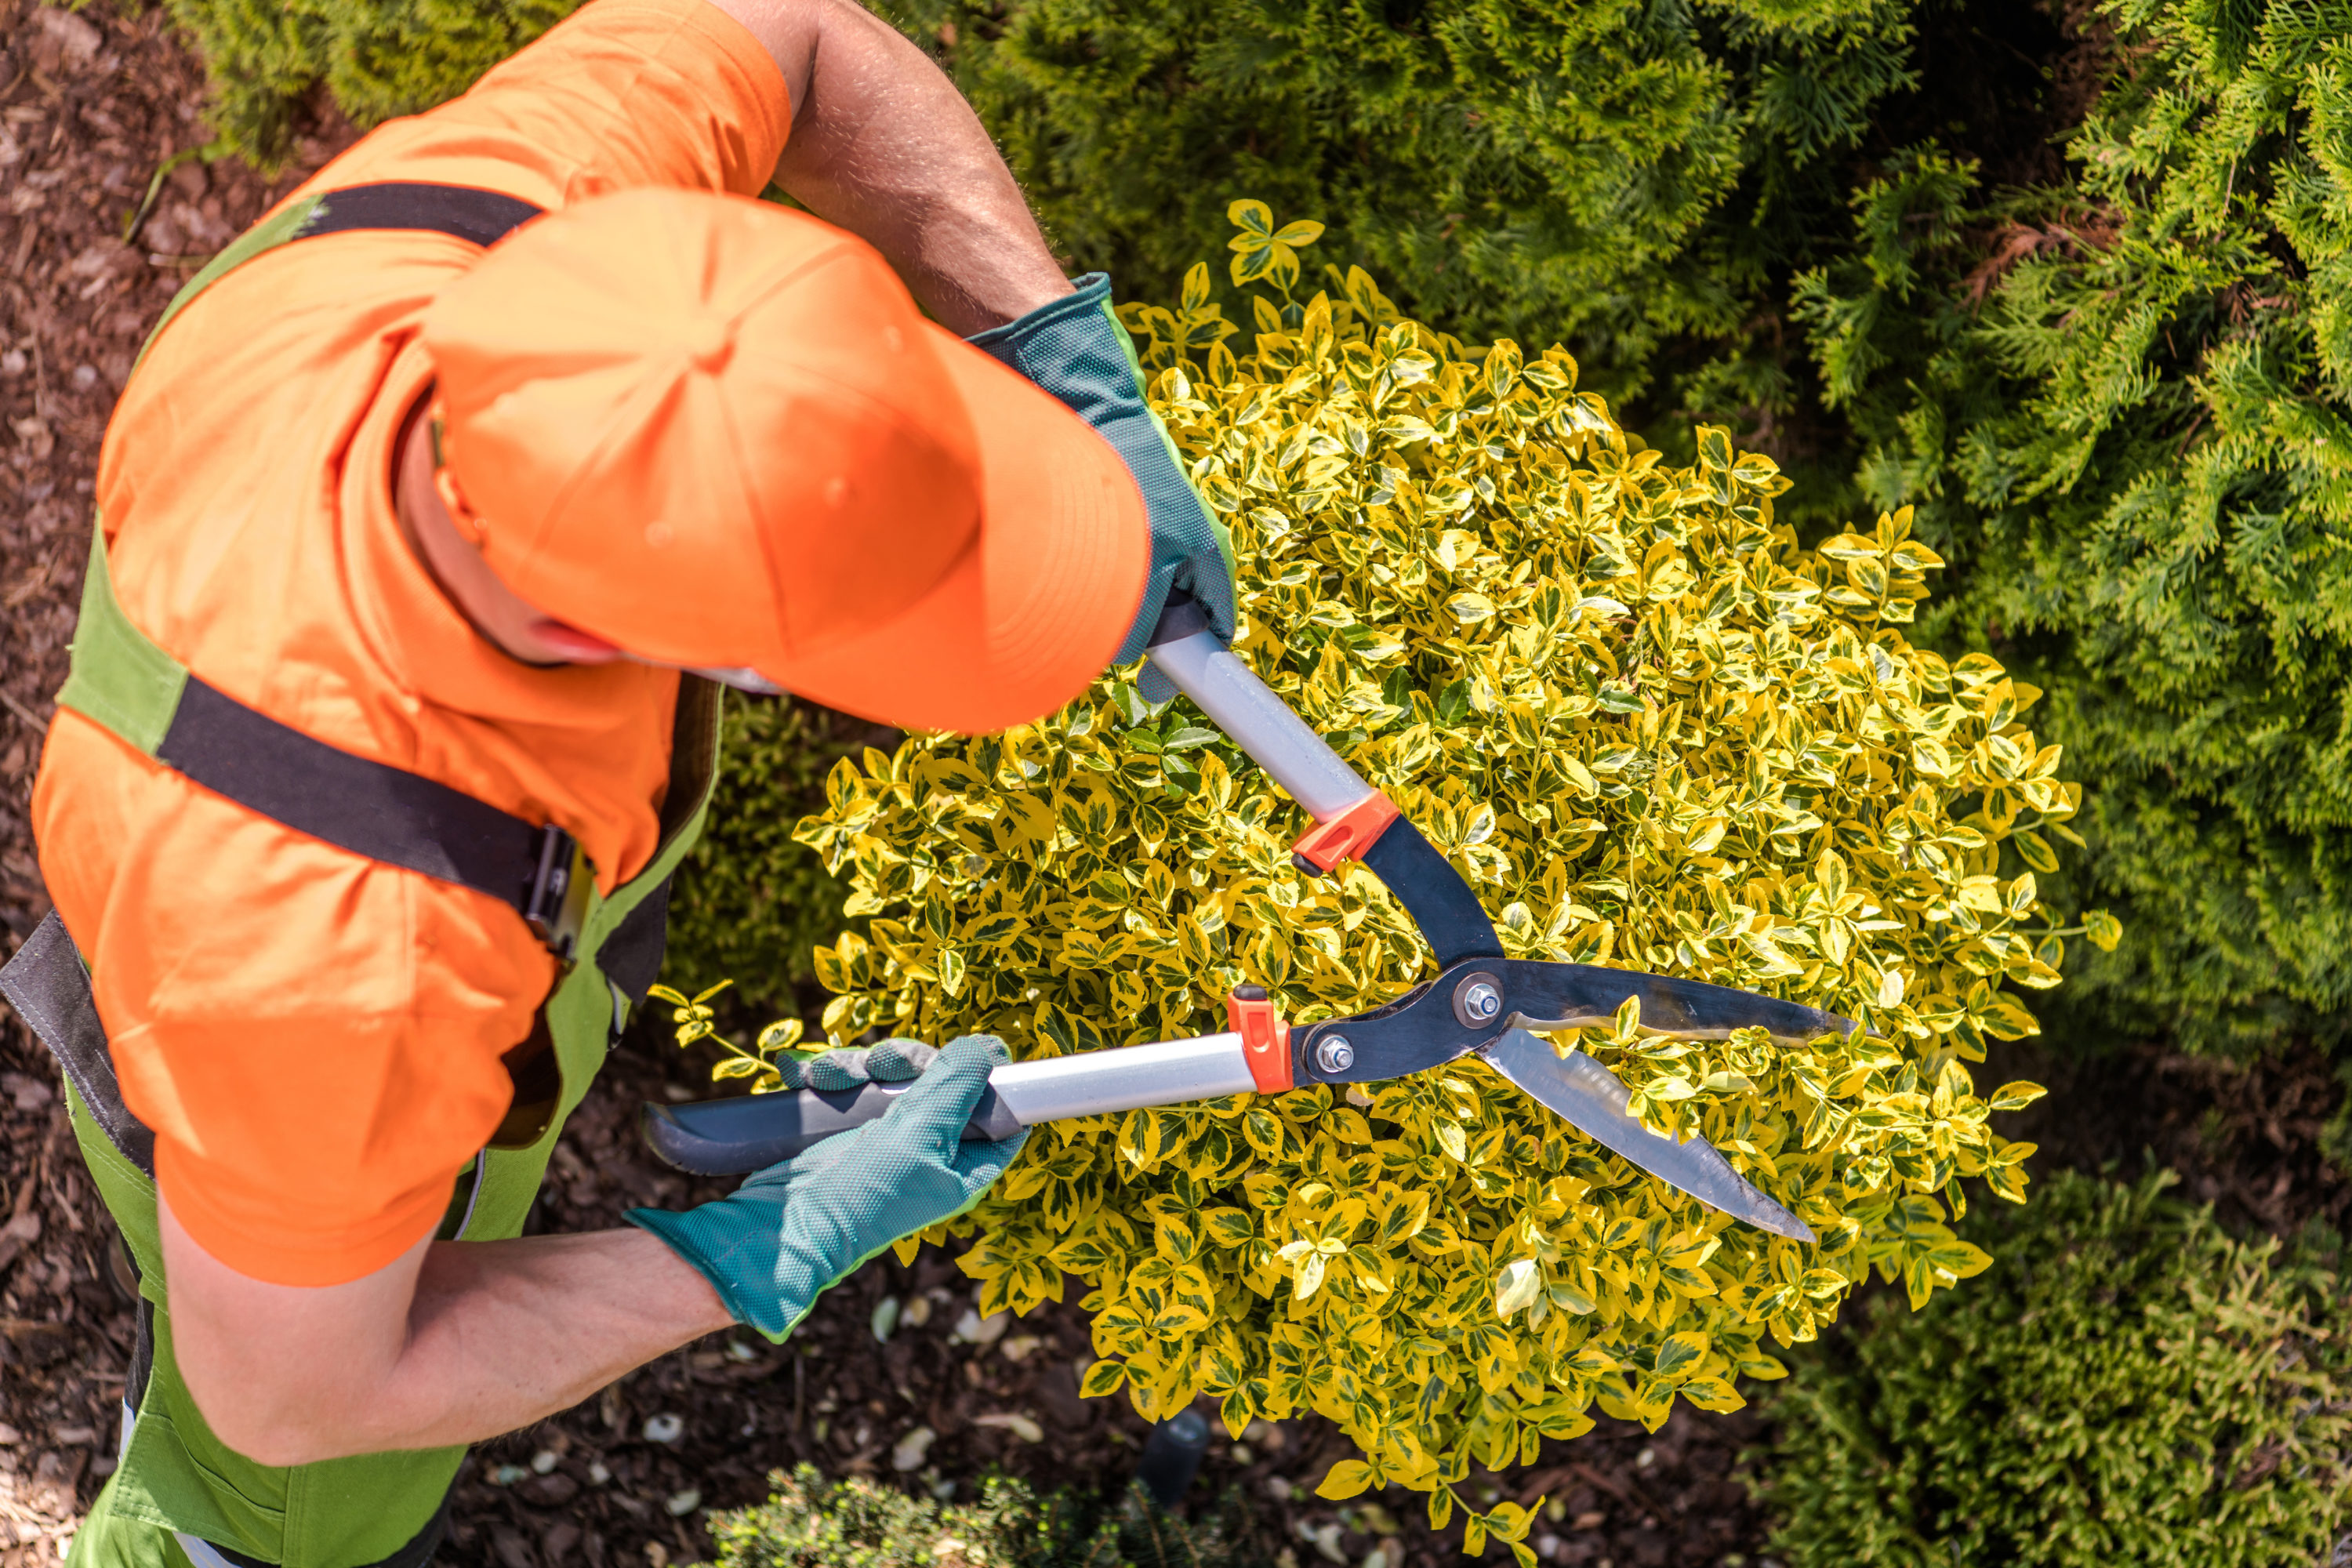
892 1061
1076 349
799 1228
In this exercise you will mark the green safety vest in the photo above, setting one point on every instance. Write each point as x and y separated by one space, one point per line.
377 1509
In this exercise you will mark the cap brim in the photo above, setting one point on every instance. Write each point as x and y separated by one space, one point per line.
1033 610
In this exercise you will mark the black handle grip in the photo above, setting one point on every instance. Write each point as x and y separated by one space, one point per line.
1180 616
753 1132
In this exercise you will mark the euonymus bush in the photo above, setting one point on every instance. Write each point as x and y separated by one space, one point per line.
2125 1385
1651 730
807 1522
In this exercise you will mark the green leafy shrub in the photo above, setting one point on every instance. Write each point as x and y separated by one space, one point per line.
2125 1385
1638 180
751 902
1651 730
2138 447
378 57
810 1523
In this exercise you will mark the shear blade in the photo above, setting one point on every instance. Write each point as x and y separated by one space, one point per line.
1582 996
1588 1096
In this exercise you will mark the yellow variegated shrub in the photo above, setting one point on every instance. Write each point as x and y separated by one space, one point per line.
1651 730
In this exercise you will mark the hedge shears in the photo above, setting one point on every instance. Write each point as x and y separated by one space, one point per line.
1480 1004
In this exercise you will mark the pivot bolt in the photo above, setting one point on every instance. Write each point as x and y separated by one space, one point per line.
1334 1054
1482 1000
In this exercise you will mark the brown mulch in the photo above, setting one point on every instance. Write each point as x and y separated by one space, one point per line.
2248 1137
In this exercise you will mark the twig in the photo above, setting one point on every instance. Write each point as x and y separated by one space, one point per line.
138 219
56 1182
23 1226
21 711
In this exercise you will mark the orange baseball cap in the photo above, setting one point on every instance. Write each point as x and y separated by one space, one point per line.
717 433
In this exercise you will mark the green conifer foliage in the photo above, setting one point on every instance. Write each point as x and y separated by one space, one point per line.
2126 1385
807 1522
1617 174
2129 428
378 57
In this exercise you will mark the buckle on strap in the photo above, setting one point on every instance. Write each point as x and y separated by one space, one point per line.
555 905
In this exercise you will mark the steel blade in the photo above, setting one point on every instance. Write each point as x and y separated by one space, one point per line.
1580 995
1589 1097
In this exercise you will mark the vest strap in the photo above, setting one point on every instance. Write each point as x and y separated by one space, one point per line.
484 218
372 808
47 986
135 688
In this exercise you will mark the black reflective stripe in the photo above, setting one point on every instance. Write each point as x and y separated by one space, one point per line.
631 957
49 988
485 217
368 807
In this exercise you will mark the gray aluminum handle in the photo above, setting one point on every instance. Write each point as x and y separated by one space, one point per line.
730 1137
1261 723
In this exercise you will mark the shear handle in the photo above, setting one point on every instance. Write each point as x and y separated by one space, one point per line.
1185 651
749 1132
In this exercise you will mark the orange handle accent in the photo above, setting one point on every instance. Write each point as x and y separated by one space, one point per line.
1266 1039
1347 836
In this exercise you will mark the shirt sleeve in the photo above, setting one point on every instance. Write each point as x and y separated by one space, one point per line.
620 95
315 1038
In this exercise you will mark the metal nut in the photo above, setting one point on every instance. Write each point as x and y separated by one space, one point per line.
1477 999
1334 1054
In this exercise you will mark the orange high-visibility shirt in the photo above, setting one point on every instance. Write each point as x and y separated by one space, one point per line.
315 1037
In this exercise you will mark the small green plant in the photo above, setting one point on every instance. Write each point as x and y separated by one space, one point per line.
809 1522
2126 1385
378 57
694 1020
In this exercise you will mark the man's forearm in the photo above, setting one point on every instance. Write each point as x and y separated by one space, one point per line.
452 1342
883 145
504 1333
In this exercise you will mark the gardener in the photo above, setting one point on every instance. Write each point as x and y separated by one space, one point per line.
376 756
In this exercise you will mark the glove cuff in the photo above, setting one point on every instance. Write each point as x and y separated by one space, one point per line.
1091 294
677 1232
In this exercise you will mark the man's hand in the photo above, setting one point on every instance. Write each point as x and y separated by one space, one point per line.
797 1228
849 1067
452 1342
883 145
1076 349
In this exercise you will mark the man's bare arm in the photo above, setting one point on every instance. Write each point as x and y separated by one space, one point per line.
452 1342
883 145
